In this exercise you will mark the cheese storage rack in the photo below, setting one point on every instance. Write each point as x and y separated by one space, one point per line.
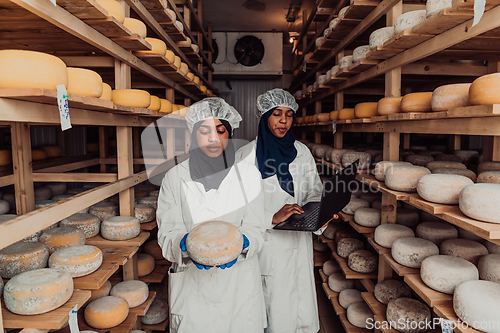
448 35
82 34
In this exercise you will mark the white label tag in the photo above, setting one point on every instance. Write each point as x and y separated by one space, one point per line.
334 126
304 66
73 320
54 2
62 103
479 6
446 325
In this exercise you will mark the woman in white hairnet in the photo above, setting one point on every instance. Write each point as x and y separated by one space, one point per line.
290 180
211 186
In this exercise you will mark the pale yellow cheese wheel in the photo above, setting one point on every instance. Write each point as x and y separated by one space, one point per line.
203 89
170 56
450 96
5 157
132 97
106 312
101 292
484 90
120 228
182 110
133 291
29 69
107 93
78 260
190 76
417 102
365 110
389 105
157 46
38 155
184 68
52 151
322 117
155 103
196 80
145 264
84 82
347 114
177 61
114 9
135 26
165 106
175 109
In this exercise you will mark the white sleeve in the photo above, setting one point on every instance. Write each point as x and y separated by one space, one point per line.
315 187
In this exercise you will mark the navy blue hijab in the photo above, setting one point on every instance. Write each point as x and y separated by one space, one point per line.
274 155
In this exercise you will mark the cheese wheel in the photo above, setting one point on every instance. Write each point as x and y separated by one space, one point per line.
89 224
436 232
135 26
380 36
489 177
170 12
465 234
363 261
434 6
337 282
196 80
444 273
350 157
404 177
106 312
321 79
104 210
408 20
324 117
170 56
466 155
350 296
22 257
443 189
113 8
179 25
336 155
43 193
38 155
152 248
416 102
386 234
157 47
214 243
133 291
61 237
476 303
408 315
346 246
382 166
145 264
57 188
365 110
342 12
411 251
333 23
190 76
359 315
450 96
101 292
447 157
203 88
157 313
144 213
84 82
132 97
486 166
155 104
334 70
355 204
454 171
21 69
345 62
52 151
107 92
78 260
332 228
330 267
320 246
492 247
445 164
480 202
165 106
184 68
367 217
346 233
177 61
360 53
5 155
38 291
120 228
484 90
389 105
150 200
319 41
489 268
5 207
334 115
463 248
389 290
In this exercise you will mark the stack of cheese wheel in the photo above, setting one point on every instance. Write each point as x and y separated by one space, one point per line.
416 102
389 105
450 96
38 291
62 237
131 97
484 90
84 82
133 291
89 224
22 257
479 201
106 312
79 260
120 228
28 69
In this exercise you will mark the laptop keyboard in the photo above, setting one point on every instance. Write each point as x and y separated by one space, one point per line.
308 221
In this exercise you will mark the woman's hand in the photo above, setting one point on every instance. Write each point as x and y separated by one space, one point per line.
284 213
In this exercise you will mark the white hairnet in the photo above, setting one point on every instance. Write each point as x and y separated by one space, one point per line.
274 98
212 108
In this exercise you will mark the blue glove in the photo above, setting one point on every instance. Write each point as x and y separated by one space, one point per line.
229 264
200 266
183 243
246 242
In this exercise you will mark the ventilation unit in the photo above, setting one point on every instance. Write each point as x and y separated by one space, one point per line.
248 53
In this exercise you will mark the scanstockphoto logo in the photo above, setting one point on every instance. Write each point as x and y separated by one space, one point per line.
447 326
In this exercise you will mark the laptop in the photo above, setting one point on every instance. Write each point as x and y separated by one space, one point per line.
336 195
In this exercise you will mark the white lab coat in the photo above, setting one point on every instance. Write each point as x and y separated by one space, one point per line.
214 300
286 260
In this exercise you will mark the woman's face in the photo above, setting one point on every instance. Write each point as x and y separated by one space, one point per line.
280 121
212 137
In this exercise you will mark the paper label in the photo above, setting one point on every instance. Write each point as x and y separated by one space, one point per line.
334 126
446 325
479 6
53 2
73 320
304 66
62 103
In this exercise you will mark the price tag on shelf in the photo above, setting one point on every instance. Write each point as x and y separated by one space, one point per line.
334 126
73 320
62 104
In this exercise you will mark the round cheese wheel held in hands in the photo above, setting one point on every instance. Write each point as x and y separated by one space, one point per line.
214 243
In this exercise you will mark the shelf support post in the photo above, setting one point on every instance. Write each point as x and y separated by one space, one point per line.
103 147
23 169
125 168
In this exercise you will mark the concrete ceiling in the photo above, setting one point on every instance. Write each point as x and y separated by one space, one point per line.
253 15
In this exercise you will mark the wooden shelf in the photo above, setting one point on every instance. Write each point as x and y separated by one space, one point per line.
489 231
368 284
149 225
376 184
430 207
54 319
118 254
349 273
162 327
405 39
360 9
430 296
378 248
156 276
95 280
329 293
376 307
136 241
444 20
447 312
361 229
399 269
323 276
126 326
336 306
320 258
349 328
144 307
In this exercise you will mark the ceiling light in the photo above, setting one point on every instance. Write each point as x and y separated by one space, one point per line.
291 40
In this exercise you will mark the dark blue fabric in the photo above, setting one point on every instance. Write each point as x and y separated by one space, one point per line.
274 155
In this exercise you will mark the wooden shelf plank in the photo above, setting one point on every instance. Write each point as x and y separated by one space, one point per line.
118 254
430 207
349 273
382 53
323 239
417 116
97 279
406 39
343 28
475 111
144 307
361 229
376 307
99 241
323 276
360 9
368 284
54 319
430 296
447 312
156 276
444 20
345 73
149 225
490 231
399 269
336 306
333 80
126 326
329 293
378 248
376 184
363 65
349 328
162 327
320 258
469 4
